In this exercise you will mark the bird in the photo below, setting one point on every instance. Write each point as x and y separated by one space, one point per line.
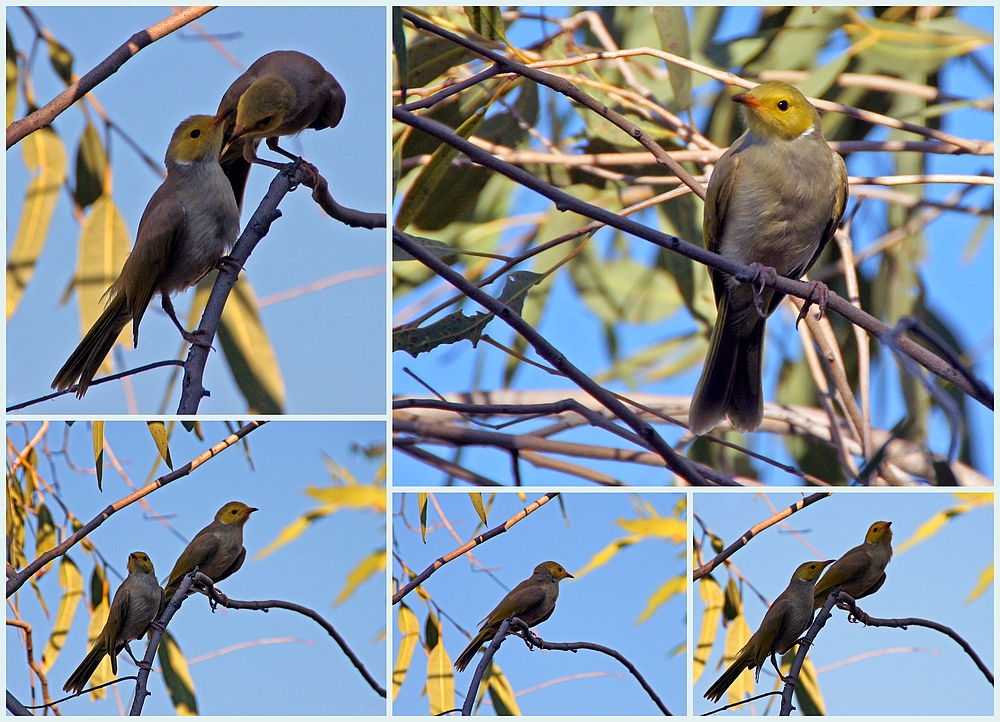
775 199
861 570
532 601
281 93
217 550
189 223
135 605
784 622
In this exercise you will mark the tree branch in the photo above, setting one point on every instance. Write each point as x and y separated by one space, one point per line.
471 544
754 531
16 580
264 606
739 272
19 129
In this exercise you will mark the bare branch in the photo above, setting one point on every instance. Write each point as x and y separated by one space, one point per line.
19 129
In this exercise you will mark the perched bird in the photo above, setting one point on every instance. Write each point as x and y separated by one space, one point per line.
861 571
784 622
282 93
217 550
775 199
188 224
531 601
134 607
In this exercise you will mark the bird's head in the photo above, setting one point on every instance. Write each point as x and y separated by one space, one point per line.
235 513
139 563
263 106
810 571
777 111
554 569
196 139
879 533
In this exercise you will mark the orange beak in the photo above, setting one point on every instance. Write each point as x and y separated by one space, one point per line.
221 117
747 100
250 510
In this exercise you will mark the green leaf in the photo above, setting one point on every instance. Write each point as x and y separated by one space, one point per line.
62 61
487 20
91 167
176 676
422 505
399 44
672 27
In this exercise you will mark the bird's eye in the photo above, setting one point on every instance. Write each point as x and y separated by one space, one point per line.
195 133
233 511
782 105
266 121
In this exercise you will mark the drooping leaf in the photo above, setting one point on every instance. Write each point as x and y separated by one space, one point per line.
177 676
369 567
71 582
409 636
158 430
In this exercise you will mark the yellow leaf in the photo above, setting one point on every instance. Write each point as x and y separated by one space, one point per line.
713 597
677 585
158 430
440 680
663 527
985 580
71 582
807 692
98 430
45 158
289 533
422 505
249 352
366 568
103 672
605 555
409 631
477 502
932 526
351 497
737 636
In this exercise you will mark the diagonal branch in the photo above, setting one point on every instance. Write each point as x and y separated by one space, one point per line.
17 579
565 202
19 129
471 544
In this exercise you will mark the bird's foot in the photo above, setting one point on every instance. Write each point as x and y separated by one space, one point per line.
148 666
228 260
157 624
787 680
195 338
860 618
762 275
819 290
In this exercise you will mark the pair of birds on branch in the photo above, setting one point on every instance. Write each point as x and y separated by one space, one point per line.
859 573
217 551
193 218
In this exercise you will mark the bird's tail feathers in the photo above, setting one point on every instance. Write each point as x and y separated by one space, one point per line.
84 363
711 395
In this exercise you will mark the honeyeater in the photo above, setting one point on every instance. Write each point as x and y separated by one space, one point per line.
133 608
784 622
775 199
217 550
861 570
531 601
282 93
188 224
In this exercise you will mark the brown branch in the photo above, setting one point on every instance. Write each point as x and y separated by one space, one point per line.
679 465
347 216
859 614
739 272
471 544
266 605
42 117
32 663
754 531
533 640
192 390
16 581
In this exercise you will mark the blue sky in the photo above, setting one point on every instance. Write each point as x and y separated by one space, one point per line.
602 606
330 343
913 672
954 285
307 677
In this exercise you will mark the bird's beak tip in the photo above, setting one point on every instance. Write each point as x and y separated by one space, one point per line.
747 100
221 117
